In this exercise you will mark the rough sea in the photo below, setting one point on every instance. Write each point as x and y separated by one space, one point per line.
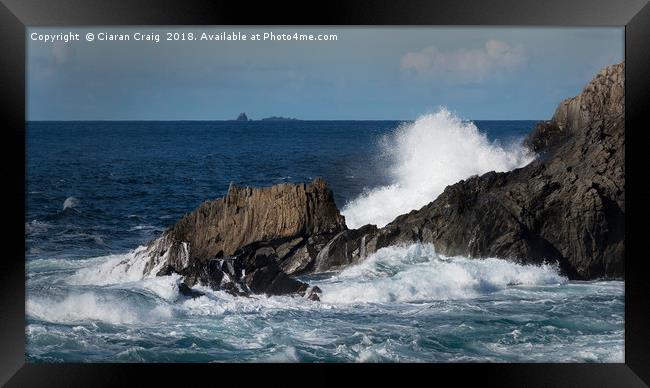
96 191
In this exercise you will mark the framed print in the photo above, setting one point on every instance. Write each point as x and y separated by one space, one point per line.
208 187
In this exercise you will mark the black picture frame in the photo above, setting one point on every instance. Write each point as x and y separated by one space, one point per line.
16 15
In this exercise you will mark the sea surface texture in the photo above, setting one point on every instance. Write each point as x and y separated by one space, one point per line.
96 191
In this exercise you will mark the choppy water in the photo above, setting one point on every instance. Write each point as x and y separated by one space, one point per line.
97 191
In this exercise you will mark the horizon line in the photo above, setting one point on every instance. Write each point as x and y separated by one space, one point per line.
253 120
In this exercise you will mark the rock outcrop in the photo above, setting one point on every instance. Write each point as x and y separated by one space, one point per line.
566 206
602 97
248 241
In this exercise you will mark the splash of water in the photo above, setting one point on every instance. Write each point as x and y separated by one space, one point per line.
426 156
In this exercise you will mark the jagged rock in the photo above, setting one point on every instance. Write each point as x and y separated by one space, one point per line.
252 270
602 97
544 136
263 275
566 206
279 215
265 232
347 247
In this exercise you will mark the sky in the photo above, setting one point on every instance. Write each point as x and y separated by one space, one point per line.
388 73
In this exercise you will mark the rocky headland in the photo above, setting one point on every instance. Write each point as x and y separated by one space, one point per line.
567 206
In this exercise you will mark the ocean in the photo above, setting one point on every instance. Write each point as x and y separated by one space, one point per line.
96 191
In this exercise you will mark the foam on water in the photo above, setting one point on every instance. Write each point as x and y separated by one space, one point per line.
417 273
403 303
393 274
121 294
91 306
165 287
426 156
129 267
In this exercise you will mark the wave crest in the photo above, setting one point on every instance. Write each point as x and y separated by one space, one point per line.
427 155
114 269
91 306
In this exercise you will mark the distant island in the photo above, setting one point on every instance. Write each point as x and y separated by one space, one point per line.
279 118
243 117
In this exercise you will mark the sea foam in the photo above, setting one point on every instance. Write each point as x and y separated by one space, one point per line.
426 156
113 269
417 273
92 306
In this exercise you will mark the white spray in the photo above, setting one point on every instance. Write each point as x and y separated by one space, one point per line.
426 156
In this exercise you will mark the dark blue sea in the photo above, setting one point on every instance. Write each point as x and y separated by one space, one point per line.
96 191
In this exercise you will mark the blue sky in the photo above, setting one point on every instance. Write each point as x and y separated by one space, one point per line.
366 74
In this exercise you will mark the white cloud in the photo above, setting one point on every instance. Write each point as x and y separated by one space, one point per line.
463 65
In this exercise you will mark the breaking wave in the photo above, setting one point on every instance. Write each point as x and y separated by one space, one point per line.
403 303
391 275
91 306
417 273
426 156
114 269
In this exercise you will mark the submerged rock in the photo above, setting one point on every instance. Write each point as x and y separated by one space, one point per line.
185 290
